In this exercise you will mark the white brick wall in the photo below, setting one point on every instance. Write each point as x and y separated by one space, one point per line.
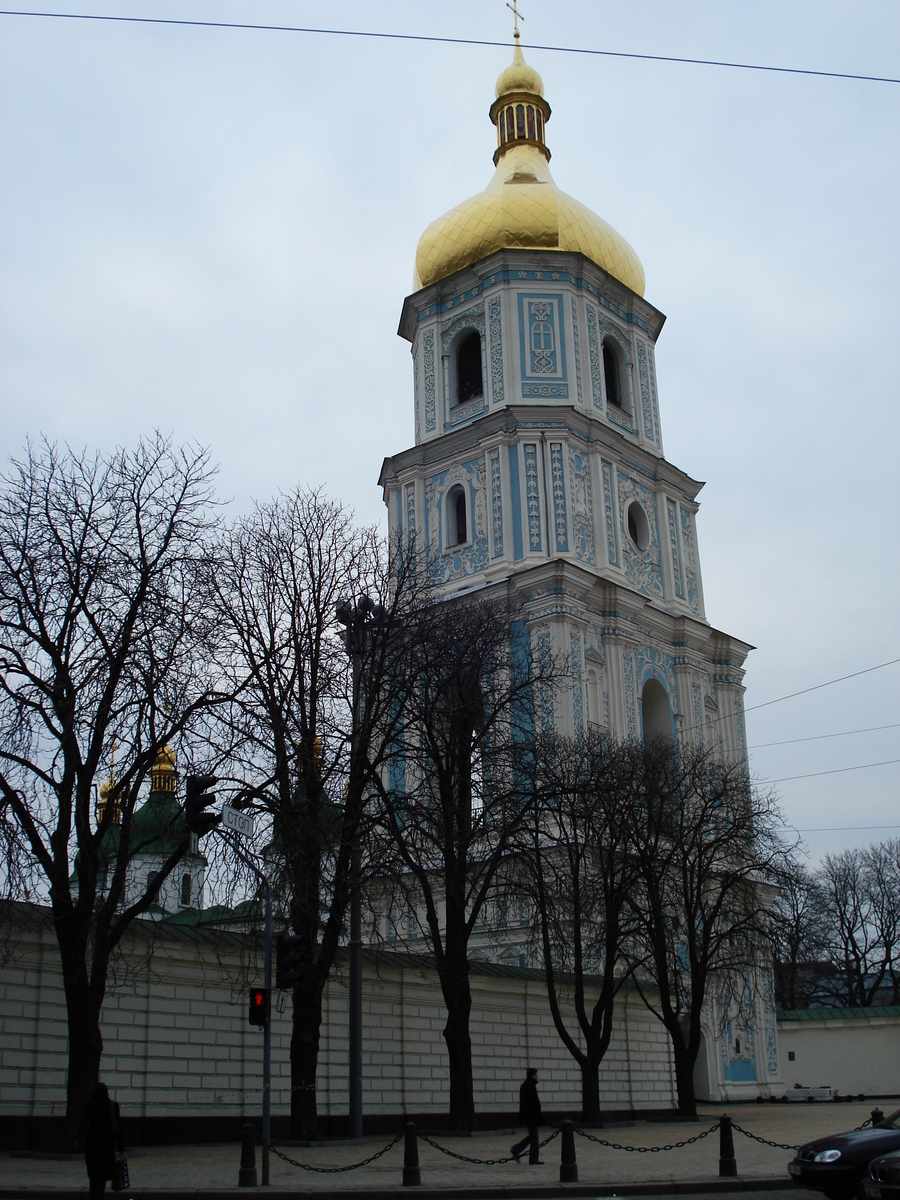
177 1041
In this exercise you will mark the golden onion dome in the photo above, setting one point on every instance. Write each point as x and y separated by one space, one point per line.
522 208
106 790
162 774
519 77
165 759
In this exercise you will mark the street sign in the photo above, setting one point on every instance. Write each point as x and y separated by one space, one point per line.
240 822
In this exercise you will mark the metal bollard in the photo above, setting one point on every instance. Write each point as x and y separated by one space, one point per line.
247 1173
727 1161
568 1166
412 1176
877 1115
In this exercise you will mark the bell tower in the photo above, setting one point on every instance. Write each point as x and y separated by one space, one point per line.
538 473
538 461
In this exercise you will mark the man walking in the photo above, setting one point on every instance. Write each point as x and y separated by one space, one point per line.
530 1115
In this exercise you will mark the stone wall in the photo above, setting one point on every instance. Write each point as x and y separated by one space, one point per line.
854 1050
182 1060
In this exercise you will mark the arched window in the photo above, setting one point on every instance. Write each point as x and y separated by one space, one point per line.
656 715
469 383
638 525
520 120
594 711
612 375
502 127
539 120
457 524
186 890
510 125
531 121
477 784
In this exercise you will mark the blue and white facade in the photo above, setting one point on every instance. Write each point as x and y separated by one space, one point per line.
538 469
569 500
570 505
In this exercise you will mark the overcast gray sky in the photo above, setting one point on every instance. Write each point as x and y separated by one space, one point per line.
212 231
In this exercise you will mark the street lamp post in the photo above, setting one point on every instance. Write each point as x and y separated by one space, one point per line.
356 617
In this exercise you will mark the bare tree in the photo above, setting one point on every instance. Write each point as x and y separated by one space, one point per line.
706 845
283 572
451 801
103 567
883 870
862 906
799 937
579 872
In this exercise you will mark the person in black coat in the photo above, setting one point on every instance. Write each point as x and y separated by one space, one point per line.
530 1115
102 1138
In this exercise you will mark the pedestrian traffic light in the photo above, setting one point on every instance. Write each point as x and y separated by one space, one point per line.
196 799
288 961
259 1006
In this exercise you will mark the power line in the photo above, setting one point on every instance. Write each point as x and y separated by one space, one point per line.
828 683
846 828
835 771
818 737
452 41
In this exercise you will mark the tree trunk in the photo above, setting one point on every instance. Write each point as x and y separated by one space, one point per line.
590 1091
458 998
85 1041
684 1077
305 1027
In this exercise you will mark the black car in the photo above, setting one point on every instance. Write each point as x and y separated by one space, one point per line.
837 1165
883 1181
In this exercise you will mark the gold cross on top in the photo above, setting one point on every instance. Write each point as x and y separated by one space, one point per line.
517 17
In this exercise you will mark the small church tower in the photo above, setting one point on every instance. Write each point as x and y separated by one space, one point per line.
156 830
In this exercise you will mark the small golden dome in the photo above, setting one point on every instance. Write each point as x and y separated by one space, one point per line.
519 77
106 790
522 208
165 760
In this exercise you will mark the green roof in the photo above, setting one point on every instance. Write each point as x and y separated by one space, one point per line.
218 914
838 1014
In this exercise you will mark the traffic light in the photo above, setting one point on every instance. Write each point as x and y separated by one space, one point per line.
259 1006
287 963
196 799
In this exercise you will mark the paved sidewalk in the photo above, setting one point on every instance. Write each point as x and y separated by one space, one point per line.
208 1169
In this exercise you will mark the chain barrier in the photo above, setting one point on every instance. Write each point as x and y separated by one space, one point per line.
765 1141
483 1162
493 1162
648 1149
336 1170
867 1121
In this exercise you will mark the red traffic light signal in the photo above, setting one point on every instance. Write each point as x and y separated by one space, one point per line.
259 1006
